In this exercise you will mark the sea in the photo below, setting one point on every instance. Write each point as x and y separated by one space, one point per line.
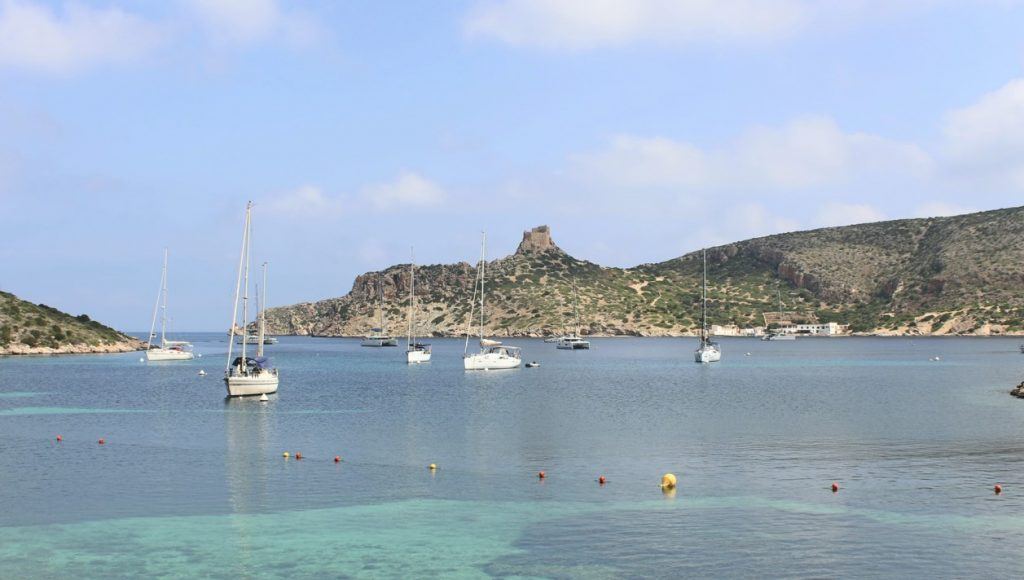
916 432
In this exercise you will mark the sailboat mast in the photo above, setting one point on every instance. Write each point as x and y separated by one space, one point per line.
704 299
163 307
245 288
575 306
156 308
261 302
412 294
238 286
483 274
380 300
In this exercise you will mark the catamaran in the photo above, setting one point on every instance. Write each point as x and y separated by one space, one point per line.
415 352
493 355
377 336
573 341
707 351
168 349
246 375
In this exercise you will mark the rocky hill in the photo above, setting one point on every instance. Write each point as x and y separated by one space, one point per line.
27 328
950 275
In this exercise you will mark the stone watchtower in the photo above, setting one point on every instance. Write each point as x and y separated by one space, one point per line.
536 241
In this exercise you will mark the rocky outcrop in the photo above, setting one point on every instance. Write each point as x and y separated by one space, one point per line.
1018 391
27 328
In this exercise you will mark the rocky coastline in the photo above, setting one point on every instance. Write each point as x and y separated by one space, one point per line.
106 348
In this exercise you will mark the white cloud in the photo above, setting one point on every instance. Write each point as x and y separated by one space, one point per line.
585 24
407 190
985 141
36 38
246 22
589 24
306 201
805 153
843 214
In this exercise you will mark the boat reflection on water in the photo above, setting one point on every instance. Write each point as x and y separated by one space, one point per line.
247 428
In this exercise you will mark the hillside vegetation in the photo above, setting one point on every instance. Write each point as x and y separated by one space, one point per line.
27 328
950 275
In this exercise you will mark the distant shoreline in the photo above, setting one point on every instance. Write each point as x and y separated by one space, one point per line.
110 348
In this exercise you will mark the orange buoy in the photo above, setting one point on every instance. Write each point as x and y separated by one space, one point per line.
541 475
102 441
337 459
298 455
835 487
432 467
998 489
601 480
59 438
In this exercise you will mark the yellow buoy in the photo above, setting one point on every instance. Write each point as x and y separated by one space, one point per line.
286 455
433 466
668 481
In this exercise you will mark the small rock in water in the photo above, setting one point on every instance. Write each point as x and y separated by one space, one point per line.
1018 391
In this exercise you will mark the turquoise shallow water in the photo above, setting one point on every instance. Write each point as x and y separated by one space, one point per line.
190 484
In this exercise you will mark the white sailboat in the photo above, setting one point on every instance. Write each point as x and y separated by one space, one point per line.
246 375
573 341
707 351
415 352
377 336
776 334
168 349
492 355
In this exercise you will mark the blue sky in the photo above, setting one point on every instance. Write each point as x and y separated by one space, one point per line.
637 129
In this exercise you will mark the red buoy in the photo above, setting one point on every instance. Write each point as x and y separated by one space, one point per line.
998 489
102 441
298 455
59 438
835 487
601 480
337 459
541 475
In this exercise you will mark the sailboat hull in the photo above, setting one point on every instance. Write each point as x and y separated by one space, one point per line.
417 356
707 355
490 361
247 386
161 354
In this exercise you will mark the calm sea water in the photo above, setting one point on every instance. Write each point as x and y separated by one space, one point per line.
191 484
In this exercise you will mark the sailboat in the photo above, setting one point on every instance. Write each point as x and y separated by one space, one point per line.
777 334
168 349
377 337
492 355
415 352
246 375
573 341
707 351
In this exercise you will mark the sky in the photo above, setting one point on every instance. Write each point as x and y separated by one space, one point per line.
639 130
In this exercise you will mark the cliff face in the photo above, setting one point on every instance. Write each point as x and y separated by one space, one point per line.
27 328
961 274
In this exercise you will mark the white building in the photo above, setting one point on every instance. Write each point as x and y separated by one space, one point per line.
824 328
